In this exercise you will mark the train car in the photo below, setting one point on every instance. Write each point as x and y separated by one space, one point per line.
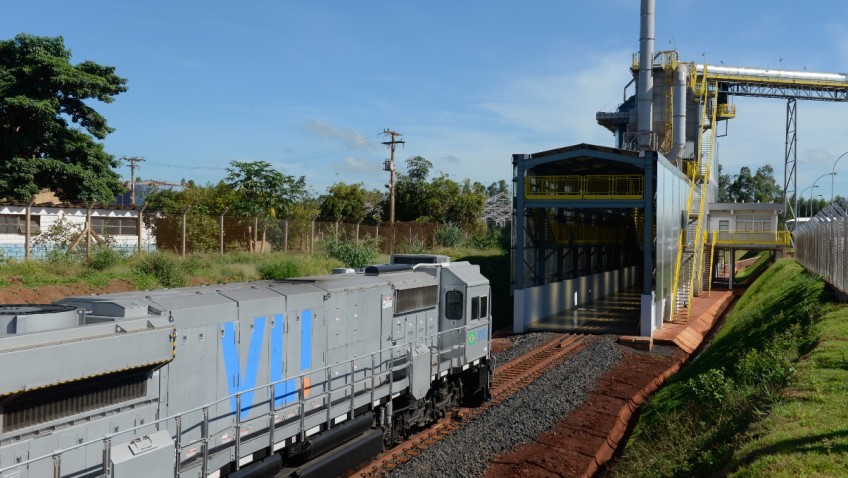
305 376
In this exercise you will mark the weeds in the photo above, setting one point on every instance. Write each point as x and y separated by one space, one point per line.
351 253
165 267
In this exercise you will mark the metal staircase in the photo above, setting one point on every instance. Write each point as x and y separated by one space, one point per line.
688 275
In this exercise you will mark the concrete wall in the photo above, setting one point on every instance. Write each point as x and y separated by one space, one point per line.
535 303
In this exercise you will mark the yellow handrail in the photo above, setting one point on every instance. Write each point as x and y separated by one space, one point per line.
592 187
758 238
710 276
698 256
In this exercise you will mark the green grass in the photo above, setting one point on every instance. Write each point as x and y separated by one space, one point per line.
714 408
754 269
806 433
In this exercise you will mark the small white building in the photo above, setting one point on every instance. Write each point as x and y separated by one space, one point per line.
747 217
120 224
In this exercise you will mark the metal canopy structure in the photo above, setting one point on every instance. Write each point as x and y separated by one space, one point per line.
553 203
590 221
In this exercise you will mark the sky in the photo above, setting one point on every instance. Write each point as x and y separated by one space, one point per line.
309 86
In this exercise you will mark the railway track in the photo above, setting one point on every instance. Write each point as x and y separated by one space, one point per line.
508 379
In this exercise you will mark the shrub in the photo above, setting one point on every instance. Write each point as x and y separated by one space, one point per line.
412 245
450 235
710 387
103 258
165 267
350 253
493 237
279 270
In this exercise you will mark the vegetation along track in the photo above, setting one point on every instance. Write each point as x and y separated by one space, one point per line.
508 379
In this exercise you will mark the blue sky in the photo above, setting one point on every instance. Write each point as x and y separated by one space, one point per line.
308 86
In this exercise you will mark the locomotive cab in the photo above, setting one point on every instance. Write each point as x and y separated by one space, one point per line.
465 326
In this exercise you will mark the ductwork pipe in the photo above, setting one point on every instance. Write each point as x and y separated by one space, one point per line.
770 74
645 95
679 114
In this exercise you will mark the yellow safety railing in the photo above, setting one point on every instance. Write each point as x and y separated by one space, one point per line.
752 238
553 187
710 276
726 111
700 230
592 187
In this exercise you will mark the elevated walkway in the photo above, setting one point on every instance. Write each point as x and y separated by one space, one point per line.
750 240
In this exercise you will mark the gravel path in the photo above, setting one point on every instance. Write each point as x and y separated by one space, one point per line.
518 419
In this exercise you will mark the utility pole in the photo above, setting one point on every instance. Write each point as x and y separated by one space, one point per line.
132 160
389 166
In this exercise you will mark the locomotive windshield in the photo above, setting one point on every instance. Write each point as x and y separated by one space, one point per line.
453 305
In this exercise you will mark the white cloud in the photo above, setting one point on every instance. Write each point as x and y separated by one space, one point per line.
563 104
321 128
354 164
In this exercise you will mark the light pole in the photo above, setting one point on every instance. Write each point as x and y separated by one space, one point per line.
811 194
810 212
833 174
817 180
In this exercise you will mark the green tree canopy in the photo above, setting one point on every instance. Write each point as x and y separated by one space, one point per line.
411 189
260 190
351 203
746 187
440 200
41 93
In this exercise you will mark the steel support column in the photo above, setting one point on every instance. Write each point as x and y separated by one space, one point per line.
790 177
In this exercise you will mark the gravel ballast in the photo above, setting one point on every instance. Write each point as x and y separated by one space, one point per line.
521 345
519 418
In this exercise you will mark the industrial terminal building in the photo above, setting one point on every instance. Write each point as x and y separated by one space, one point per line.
619 239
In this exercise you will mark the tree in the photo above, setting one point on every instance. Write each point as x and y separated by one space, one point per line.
411 189
742 187
766 188
461 203
202 229
501 187
724 181
40 91
747 187
351 203
260 190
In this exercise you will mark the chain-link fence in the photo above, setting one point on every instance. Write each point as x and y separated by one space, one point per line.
77 229
229 234
821 245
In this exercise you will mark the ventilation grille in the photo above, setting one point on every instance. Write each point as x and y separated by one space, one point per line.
408 300
41 406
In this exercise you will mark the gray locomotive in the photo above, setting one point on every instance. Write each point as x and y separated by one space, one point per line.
309 376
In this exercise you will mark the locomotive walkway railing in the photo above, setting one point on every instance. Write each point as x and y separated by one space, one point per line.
455 348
